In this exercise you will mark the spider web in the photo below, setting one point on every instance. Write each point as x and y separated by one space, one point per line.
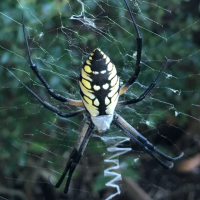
36 144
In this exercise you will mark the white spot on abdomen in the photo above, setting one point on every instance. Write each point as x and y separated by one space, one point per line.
105 86
96 87
96 102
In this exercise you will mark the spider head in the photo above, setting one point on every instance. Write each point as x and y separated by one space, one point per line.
102 122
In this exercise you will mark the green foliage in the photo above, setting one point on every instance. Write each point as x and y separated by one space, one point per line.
26 128
100 182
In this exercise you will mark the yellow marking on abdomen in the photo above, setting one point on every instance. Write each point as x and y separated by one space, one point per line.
91 109
114 81
114 89
113 99
107 60
111 107
90 58
85 75
88 62
96 102
89 101
109 66
86 83
107 101
86 92
112 73
87 69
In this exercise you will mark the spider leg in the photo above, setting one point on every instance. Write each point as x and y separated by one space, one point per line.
76 154
53 109
143 95
41 78
138 58
143 142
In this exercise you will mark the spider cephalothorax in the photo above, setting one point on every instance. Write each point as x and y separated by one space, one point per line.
99 88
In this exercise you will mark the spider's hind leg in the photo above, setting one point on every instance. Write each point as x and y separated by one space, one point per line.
76 154
134 135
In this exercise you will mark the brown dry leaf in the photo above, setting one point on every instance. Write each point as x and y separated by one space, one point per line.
189 165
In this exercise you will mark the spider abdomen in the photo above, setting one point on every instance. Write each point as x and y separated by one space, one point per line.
99 84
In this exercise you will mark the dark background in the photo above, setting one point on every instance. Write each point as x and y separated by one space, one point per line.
35 143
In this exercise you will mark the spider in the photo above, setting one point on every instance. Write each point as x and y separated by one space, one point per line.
100 90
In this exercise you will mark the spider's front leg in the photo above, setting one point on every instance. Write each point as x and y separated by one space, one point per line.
133 78
41 78
76 154
143 95
134 135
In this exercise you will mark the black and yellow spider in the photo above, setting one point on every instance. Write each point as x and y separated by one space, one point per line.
100 90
